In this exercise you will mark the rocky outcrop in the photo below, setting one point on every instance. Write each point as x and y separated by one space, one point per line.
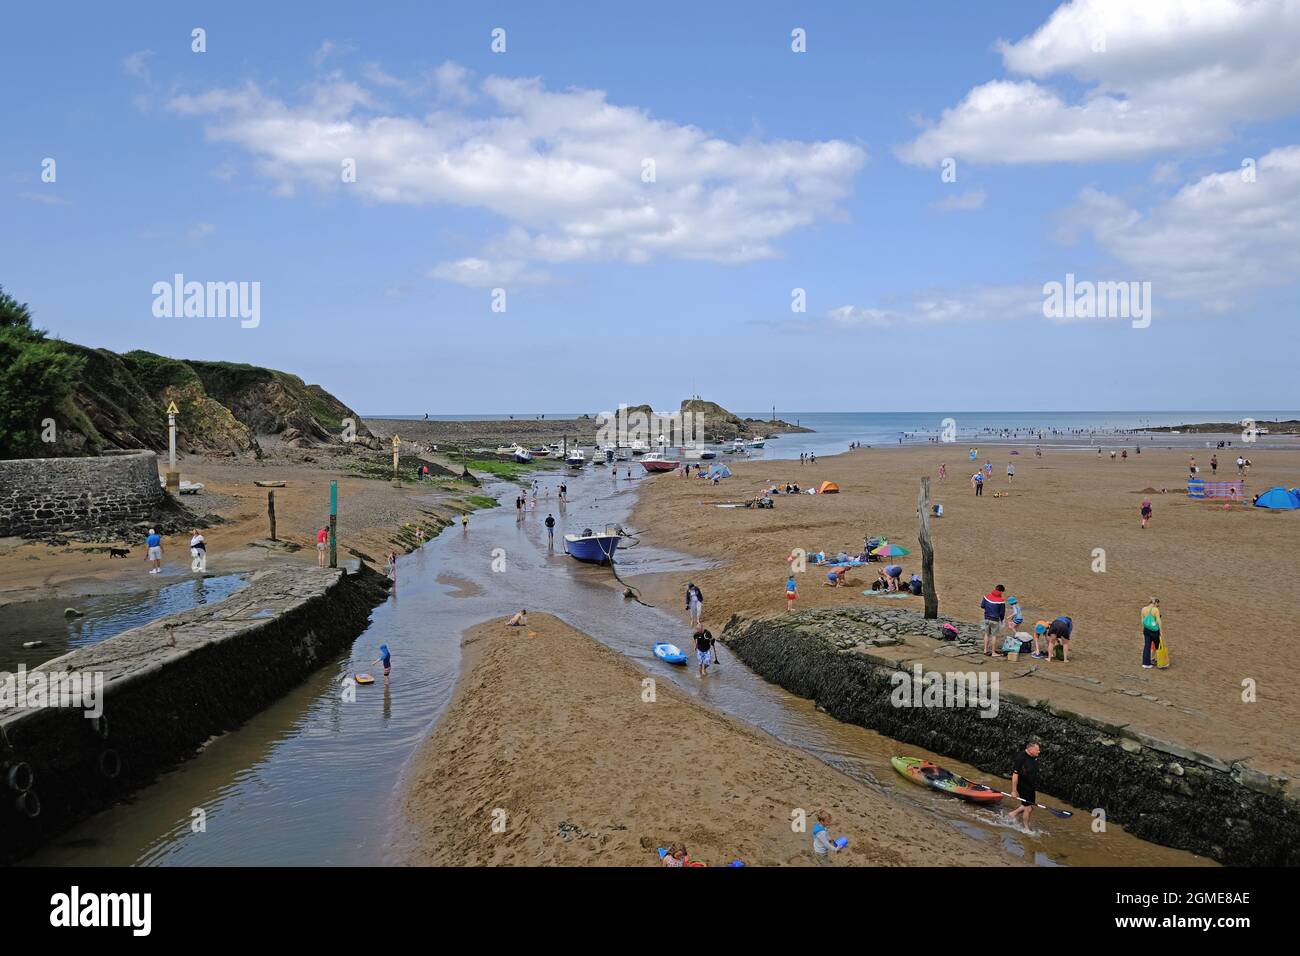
1159 790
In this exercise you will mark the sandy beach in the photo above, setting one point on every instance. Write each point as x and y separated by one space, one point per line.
1225 576
551 728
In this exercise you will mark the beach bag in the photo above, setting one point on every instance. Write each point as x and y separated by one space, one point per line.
948 632
1011 644
1162 654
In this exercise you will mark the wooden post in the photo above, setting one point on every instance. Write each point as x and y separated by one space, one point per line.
270 510
397 448
927 554
334 524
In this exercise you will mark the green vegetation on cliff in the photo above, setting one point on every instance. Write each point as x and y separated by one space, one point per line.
99 400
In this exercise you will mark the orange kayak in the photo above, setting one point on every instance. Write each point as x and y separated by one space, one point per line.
927 774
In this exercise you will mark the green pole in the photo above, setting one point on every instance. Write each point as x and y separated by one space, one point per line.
334 524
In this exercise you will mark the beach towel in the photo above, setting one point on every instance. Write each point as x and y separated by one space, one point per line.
888 594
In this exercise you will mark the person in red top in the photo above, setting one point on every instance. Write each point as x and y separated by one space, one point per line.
322 539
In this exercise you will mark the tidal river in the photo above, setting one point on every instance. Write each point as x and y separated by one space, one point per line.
314 779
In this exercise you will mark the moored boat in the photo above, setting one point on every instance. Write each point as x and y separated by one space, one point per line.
575 459
595 547
522 455
657 462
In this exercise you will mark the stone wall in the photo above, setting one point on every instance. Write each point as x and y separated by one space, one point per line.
1157 789
47 495
168 687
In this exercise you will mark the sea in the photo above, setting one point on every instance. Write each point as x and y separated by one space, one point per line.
834 431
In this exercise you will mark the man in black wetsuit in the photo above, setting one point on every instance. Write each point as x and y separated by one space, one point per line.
1024 782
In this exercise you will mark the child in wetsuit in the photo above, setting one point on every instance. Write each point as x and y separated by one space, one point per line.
386 659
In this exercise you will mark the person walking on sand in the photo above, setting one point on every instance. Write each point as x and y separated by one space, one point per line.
1024 783
1152 634
1214 465
198 552
791 592
392 565
1146 511
977 482
994 606
695 603
550 530
703 648
943 471
1011 472
154 543
322 539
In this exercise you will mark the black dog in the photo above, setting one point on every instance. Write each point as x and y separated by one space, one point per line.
118 552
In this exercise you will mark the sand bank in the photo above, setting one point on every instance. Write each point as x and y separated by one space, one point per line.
1225 577
550 727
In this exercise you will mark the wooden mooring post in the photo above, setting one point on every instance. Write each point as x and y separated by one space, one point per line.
270 512
931 595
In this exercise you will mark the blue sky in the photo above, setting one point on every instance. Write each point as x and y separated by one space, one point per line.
1093 142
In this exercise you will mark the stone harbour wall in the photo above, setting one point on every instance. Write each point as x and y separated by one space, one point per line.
47 495
1159 790
168 687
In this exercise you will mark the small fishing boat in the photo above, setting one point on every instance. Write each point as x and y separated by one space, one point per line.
638 447
708 453
522 455
657 462
756 443
927 774
506 449
597 548
738 445
575 459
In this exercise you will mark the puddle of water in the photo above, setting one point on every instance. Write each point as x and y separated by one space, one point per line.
105 616
313 780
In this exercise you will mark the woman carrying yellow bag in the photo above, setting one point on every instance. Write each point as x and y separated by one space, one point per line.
1154 652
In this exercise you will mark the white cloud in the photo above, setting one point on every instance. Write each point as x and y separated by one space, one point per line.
200 231
961 202
1218 241
482 273
1160 75
137 64
452 82
563 169
992 303
45 198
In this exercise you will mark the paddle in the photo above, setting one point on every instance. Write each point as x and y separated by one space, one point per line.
1063 814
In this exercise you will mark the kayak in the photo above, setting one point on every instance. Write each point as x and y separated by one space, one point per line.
669 653
927 774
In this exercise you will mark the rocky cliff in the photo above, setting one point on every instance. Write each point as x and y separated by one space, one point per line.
120 401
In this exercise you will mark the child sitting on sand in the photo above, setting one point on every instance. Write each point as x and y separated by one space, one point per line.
519 620
822 842
675 855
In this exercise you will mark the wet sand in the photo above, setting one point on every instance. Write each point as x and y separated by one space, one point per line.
550 727
1225 577
372 517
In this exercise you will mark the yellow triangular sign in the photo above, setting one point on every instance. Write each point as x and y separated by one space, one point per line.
172 409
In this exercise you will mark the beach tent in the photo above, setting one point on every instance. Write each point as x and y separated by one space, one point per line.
828 488
1278 498
718 471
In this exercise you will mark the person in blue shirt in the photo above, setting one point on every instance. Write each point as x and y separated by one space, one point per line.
155 546
386 659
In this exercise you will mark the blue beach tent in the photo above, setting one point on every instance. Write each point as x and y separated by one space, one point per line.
1279 498
718 471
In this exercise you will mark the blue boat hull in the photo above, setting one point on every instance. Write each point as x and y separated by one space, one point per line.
598 549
